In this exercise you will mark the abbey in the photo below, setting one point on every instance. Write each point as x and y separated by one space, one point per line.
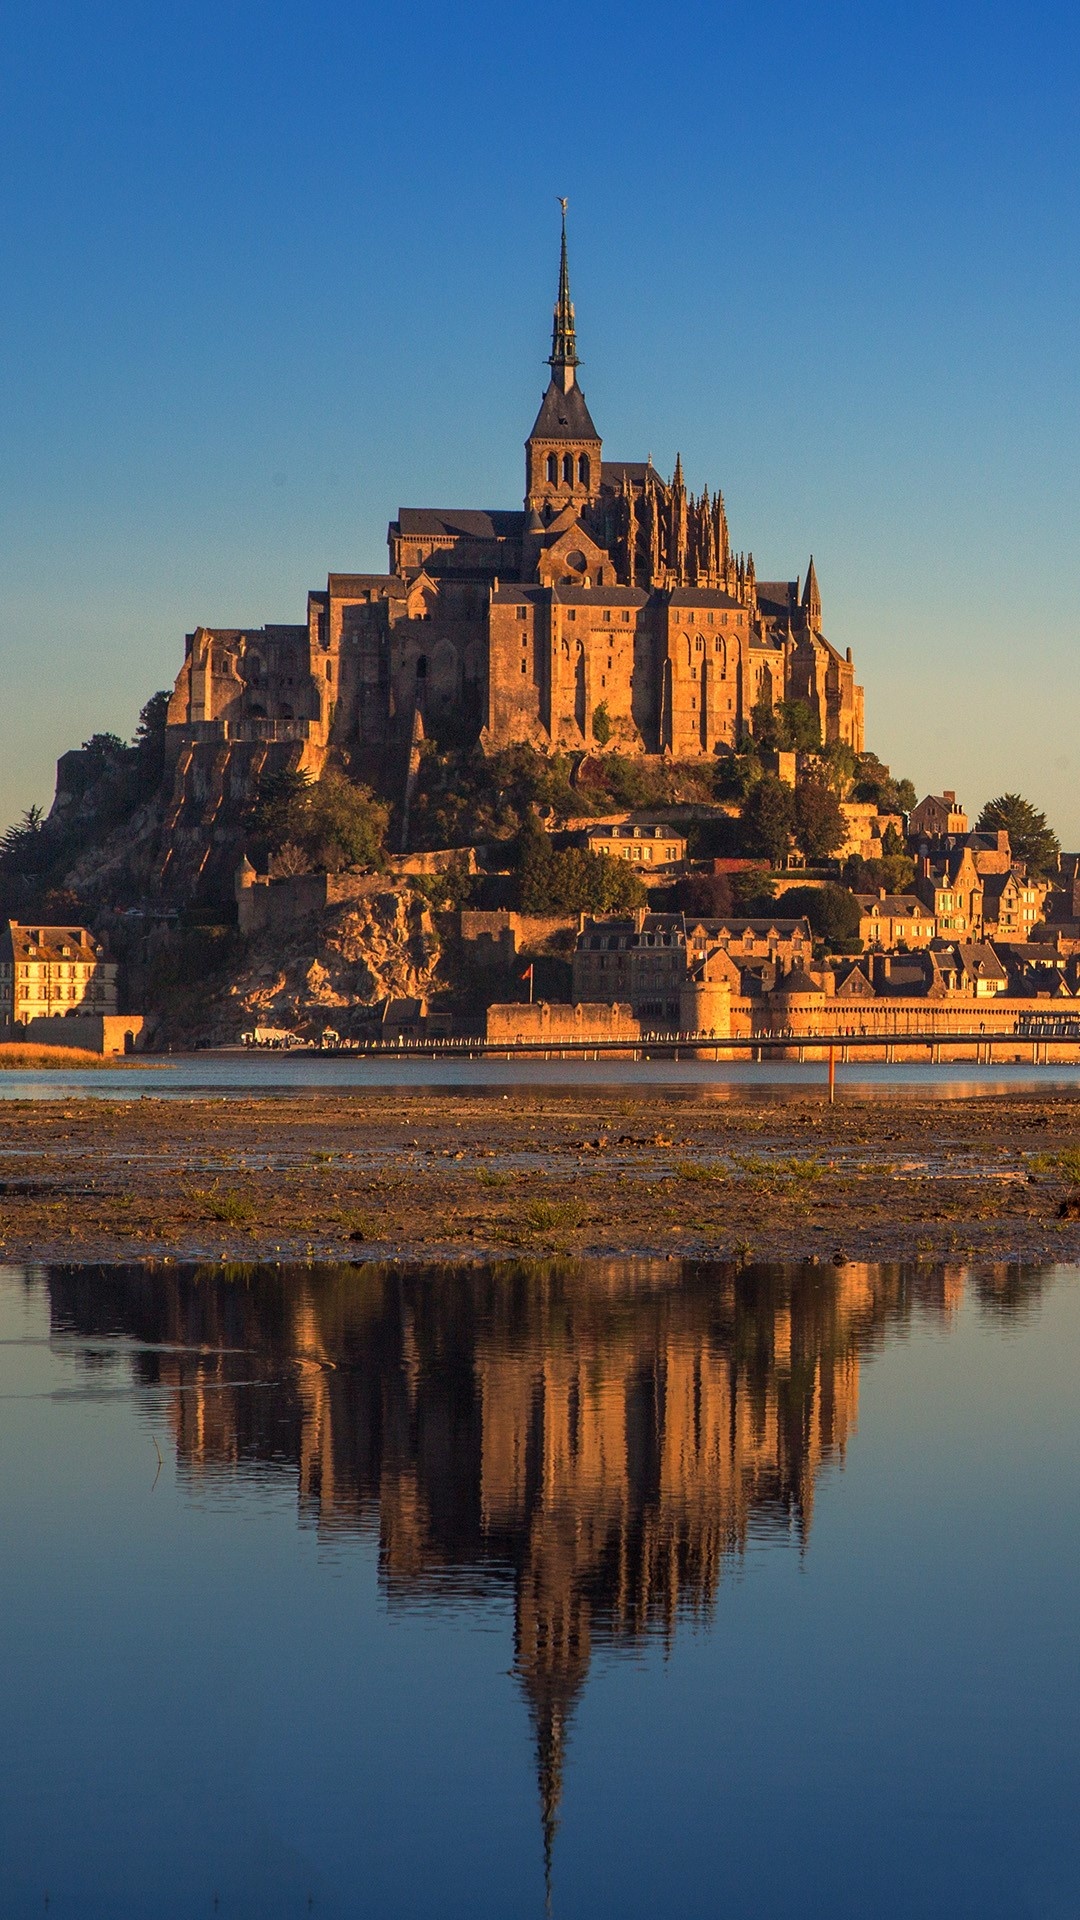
608 612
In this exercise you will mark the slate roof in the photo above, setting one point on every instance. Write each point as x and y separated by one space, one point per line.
893 905
612 471
38 942
471 523
563 416
700 597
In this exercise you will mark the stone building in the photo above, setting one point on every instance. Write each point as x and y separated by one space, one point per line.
677 972
610 610
52 972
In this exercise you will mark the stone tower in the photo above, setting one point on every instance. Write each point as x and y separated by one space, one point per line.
563 451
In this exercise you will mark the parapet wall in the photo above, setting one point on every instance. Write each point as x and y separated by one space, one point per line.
545 1020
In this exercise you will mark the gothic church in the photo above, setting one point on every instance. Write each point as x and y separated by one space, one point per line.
610 612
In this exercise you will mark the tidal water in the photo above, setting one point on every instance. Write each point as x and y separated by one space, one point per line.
236 1074
621 1588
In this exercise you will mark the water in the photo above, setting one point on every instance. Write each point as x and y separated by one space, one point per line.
197 1075
639 1586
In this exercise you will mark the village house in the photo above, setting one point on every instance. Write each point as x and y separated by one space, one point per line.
49 972
953 890
894 920
674 970
937 815
1012 905
640 844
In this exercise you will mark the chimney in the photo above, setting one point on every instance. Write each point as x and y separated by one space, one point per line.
949 796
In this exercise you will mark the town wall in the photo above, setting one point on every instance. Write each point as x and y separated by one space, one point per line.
105 1033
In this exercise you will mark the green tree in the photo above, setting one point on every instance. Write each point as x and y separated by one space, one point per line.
323 826
572 881
799 727
894 873
343 825
819 824
892 844
276 810
601 724
21 845
840 765
765 726
1031 837
833 913
753 891
708 895
769 818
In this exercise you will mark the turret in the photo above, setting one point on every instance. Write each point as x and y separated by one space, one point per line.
811 600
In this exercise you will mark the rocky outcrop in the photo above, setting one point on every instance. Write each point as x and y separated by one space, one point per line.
337 970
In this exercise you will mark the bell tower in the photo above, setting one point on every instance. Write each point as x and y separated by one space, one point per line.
562 453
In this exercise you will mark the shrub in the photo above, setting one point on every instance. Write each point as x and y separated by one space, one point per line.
833 913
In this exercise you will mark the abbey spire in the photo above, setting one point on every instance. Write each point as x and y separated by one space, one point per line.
564 357
563 451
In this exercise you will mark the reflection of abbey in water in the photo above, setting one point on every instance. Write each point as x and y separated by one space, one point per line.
602 1440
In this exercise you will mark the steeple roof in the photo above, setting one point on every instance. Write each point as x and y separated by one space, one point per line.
812 595
563 342
563 416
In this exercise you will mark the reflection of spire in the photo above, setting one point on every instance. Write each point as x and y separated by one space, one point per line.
550 1746
553 1652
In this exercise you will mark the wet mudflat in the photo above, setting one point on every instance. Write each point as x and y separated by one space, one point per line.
420 1173
540 1587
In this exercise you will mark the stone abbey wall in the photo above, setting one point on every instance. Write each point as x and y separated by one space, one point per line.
609 611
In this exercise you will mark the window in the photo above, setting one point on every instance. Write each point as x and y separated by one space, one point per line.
568 469
607 613
583 470
523 613
626 617
552 470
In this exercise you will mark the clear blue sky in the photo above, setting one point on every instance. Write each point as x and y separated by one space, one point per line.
271 270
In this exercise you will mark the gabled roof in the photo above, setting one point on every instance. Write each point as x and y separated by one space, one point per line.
38 942
777 596
855 986
893 905
563 416
470 523
700 597
612 471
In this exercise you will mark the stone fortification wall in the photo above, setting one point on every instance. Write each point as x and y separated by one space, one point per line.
543 1020
93 1032
495 939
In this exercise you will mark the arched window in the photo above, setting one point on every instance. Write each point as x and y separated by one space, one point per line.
568 469
552 469
583 469
421 667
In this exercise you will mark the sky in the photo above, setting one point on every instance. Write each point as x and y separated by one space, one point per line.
270 271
